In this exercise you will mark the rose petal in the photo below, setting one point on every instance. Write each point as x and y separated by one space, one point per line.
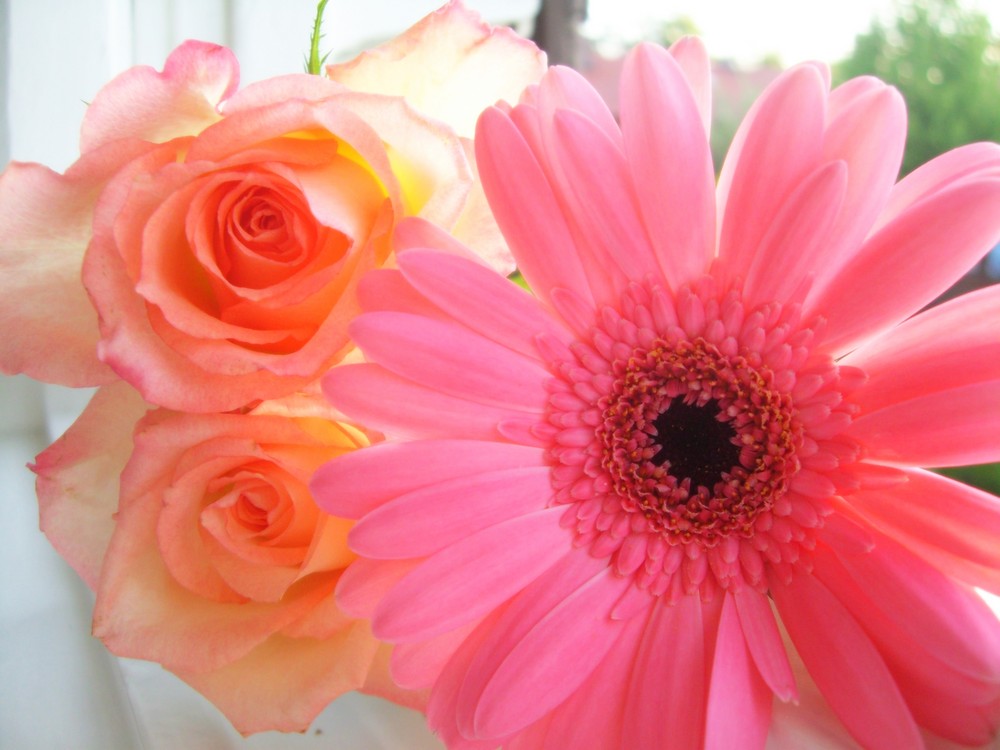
78 478
450 66
182 100
49 325
303 676
159 596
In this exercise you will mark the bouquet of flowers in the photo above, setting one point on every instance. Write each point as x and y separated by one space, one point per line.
668 496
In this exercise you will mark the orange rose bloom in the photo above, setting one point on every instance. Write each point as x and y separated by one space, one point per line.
220 232
212 558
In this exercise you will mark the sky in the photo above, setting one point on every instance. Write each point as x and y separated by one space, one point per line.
746 31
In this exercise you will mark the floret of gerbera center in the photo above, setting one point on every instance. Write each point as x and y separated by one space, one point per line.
698 443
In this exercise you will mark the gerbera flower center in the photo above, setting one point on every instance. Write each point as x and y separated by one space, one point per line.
691 435
697 441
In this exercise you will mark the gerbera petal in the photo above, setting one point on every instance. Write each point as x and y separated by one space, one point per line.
739 702
797 241
947 522
944 428
428 413
596 187
441 595
417 232
442 706
935 692
537 128
420 523
387 290
360 481
526 210
947 618
887 281
969 726
416 665
670 162
867 131
570 641
944 362
765 644
433 352
363 584
533 737
458 287
594 716
573 309
692 57
521 614
666 695
565 89
843 97
778 144
845 664
949 346
973 160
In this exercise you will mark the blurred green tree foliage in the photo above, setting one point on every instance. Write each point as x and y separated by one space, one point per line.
945 60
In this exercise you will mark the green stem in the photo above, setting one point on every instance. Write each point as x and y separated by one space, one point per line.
315 61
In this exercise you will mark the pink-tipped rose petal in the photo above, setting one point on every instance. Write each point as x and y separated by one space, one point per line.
77 481
50 327
450 65
183 99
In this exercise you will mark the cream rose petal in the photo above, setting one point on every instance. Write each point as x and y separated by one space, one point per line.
477 227
143 612
78 478
156 106
427 160
303 676
450 65
309 650
280 89
49 327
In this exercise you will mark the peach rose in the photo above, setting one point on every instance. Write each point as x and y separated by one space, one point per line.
225 230
220 234
216 562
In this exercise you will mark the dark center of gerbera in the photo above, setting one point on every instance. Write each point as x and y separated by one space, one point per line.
695 443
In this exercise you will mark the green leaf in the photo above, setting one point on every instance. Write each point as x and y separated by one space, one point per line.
984 476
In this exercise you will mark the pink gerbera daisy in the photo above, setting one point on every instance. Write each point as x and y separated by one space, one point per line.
613 512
